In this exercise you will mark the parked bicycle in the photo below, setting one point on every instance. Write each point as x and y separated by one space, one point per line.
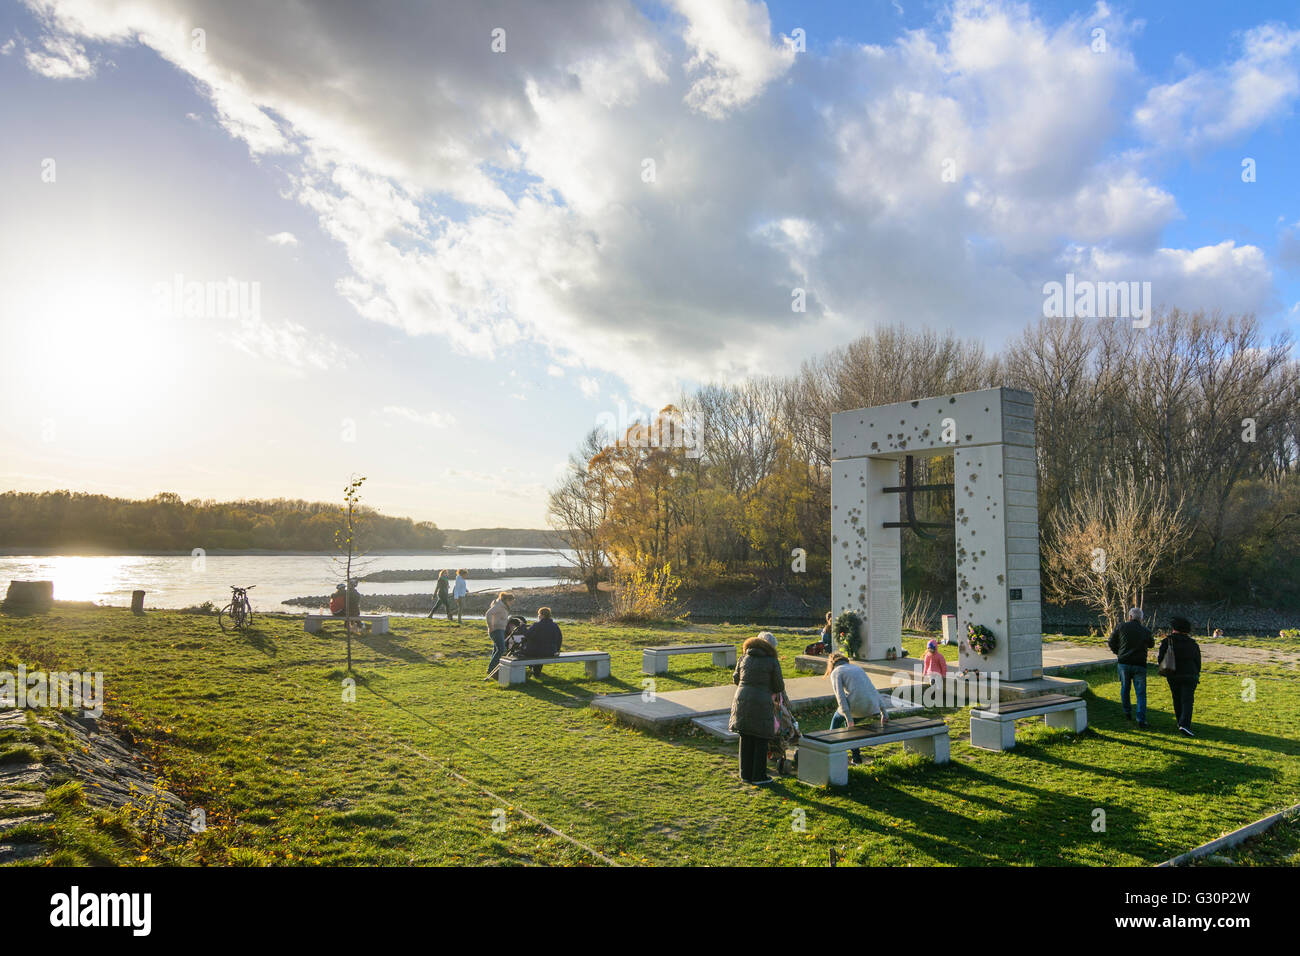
238 614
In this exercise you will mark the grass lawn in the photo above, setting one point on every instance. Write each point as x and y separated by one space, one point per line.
1280 846
254 729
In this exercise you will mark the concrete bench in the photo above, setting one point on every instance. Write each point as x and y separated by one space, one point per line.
313 622
994 728
654 660
515 671
824 755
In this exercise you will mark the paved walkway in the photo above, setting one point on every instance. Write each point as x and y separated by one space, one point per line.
682 706
675 708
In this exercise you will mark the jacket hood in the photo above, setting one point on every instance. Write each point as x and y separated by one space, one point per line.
757 645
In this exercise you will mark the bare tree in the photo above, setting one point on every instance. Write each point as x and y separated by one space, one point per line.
1107 544
578 508
351 558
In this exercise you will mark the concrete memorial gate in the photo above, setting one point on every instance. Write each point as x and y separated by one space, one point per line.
990 435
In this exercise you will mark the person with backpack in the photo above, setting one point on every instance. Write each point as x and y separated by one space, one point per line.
1180 664
1129 643
442 595
753 715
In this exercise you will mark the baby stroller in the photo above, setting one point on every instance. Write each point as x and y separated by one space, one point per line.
515 628
787 735
514 641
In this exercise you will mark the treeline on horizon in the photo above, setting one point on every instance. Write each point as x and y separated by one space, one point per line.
1204 406
72 521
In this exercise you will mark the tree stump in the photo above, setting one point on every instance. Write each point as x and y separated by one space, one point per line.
137 602
27 597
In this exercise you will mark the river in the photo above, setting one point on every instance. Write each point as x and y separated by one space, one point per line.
177 581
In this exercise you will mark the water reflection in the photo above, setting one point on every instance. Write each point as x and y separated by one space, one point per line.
175 581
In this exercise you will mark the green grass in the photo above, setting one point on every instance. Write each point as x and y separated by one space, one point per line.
1279 846
254 729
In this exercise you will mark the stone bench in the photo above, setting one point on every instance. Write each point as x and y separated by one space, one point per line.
824 755
312 623
515 671
654 660
994 728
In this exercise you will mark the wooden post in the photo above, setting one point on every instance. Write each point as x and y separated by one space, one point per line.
137 602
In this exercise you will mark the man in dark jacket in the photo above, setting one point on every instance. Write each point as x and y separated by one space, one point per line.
1129 643
1185 672
753 714
542 639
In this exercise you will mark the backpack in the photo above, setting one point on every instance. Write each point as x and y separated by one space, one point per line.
1168 666
817 649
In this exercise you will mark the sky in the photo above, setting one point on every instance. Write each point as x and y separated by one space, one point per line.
250 249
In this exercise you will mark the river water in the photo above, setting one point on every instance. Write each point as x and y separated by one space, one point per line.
176 581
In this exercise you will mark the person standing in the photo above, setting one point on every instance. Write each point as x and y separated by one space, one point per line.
1129 643
933 662
498 619
458 594
1180 663
855 696
828 635
442 595
753 716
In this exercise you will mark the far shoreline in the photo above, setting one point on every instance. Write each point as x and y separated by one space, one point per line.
446 551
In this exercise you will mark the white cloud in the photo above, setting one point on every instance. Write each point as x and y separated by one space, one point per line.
1212 106
493 199
60 58
283 239
734 56
554 371
433 419
290 345
501 483
589 387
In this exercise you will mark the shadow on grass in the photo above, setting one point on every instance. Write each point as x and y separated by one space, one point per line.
566 692
1161 728
382 644
253 637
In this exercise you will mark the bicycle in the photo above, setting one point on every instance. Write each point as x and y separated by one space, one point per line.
238 614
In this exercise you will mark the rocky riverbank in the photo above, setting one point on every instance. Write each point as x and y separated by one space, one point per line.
786 608
478 574
574 601
41 751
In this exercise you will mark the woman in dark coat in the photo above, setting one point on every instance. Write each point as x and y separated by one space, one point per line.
1186 672
758 676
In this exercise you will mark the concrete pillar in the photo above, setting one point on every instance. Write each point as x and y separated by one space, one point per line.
865 557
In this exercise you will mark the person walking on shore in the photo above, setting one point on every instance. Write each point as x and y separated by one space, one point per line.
442 595
1129 643
458 594
753 715
1180 664
498 619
